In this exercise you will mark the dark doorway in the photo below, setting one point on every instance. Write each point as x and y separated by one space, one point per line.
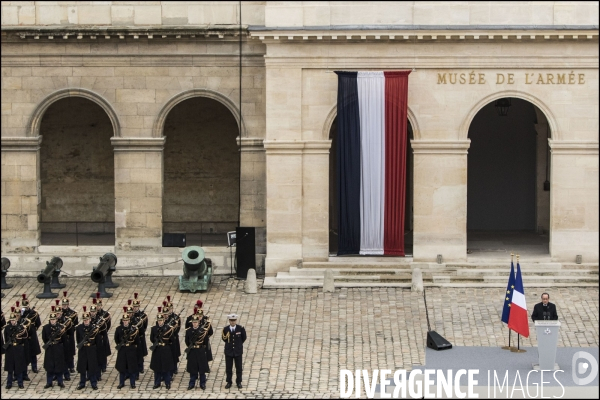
77 175
506 158
201 176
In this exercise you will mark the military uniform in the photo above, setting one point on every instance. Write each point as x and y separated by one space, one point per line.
70 347
140 320
234 338
188 323
15 363
174 321
105 341
2 325
54 336
32 347
162 359
196 340
87 357
126 338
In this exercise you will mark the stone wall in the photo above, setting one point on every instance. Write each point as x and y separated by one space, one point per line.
349 13
132 13
137 82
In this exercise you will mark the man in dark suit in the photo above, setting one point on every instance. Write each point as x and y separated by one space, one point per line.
544 310
234 337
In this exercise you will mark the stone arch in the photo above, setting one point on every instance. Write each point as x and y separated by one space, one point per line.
333 113
464 127
36 118
159 124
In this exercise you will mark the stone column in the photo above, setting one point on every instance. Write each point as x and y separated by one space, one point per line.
284 204
253 189
440 199
574 200
21 194
138 193
315 200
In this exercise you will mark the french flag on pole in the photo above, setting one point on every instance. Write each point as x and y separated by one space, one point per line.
518 320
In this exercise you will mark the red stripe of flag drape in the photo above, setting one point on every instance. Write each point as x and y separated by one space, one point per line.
396 104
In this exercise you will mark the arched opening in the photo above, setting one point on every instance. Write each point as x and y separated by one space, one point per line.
202 172
77 174
333 201
508 200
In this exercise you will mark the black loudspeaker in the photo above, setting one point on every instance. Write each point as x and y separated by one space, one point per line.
436 342
245 251
174 240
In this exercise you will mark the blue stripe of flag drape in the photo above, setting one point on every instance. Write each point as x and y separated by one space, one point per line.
348 164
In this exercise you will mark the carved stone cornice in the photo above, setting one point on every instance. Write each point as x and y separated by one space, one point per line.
569 147
250 144
21 143
440 146
121 32
121 144
297 146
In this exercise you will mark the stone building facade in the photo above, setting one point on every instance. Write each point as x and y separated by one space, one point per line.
95 93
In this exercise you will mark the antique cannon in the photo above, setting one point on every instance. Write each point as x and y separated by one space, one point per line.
197 270
45 277
102 272
5 267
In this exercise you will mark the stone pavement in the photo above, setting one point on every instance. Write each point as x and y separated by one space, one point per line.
299 339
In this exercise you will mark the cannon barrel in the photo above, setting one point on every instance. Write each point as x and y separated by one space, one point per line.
5 264
46 275
193 261
197 270
107 261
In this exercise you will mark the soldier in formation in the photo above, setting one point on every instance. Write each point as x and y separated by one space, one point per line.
174 321
53 336
127 340
71 314
31 319
140 321
15 340
2 326
87 335
162 359
196 340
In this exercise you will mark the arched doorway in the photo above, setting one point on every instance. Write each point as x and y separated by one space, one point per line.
202 172
333 206
508 183
77 174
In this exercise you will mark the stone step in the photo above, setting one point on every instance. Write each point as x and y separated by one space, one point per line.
556 279
271 283
354 265
370 259
346 278
580 266
536 272
346 271
505 266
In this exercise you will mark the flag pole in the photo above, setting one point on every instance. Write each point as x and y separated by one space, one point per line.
509 347
518 349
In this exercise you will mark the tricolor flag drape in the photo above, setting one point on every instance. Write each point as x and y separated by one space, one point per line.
371 161
518 320
510 287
